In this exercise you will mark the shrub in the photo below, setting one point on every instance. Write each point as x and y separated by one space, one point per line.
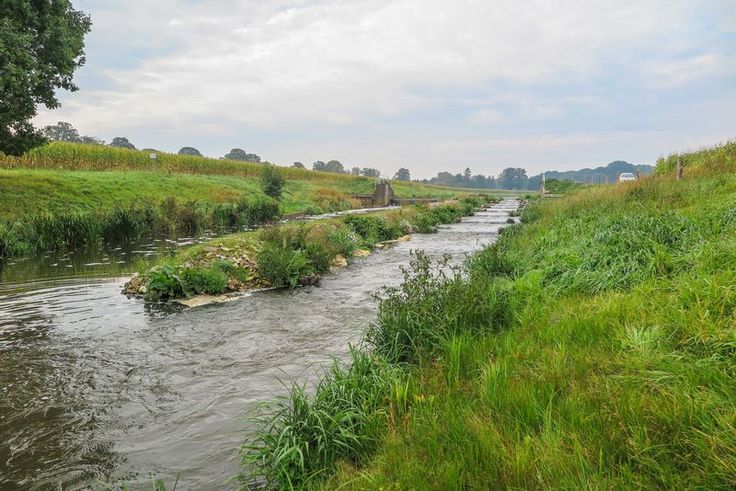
272 182
281 265
343 240
373 229
433 303
258 209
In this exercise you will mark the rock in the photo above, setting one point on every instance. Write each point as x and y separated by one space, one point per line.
339 261
405 238
201 300
142 290
225 249
510 220
361 253
309 280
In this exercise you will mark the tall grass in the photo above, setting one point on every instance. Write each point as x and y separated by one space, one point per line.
67 231
591 347
73 156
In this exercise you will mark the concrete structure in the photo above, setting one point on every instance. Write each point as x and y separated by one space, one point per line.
383 195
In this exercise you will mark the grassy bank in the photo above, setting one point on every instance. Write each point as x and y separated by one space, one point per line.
287 255
62 195
592 346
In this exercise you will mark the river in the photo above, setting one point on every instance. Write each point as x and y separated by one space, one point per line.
99 388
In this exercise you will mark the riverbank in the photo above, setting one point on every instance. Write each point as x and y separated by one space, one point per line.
63 196
591 346
287 255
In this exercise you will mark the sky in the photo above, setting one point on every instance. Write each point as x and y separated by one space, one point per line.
430 85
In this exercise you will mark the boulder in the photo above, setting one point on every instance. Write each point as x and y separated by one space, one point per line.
361 253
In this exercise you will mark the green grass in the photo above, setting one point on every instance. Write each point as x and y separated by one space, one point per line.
592 347
64 195
284 255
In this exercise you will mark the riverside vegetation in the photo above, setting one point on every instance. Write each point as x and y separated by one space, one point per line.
592 346
64 195
287 255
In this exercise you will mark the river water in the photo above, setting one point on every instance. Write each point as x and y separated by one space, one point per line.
99 388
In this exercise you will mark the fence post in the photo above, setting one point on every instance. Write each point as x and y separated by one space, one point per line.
680 170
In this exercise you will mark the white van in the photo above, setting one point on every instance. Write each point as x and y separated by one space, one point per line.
626 176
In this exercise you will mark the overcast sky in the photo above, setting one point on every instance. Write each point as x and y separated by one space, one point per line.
425 84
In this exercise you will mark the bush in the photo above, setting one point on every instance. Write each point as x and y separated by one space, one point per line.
272 182
373 229
257 210
433 303
282 266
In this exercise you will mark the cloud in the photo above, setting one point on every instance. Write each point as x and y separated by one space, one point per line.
218 70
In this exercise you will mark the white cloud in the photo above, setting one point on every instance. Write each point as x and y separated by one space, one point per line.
232 67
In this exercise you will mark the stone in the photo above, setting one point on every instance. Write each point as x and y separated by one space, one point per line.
361 253
339 261
309 280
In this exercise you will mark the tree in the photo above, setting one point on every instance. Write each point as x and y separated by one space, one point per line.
122 142
298 165
331 166
240 154
41 46
355 171
467 175
402 175
62 132
513 178
91 140
370 172
189 151
335 166
272 182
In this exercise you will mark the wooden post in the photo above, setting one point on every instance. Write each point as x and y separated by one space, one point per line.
680 169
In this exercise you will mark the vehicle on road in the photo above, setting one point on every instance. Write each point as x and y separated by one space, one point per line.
626 176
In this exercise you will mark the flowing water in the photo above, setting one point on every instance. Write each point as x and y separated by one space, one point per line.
96 387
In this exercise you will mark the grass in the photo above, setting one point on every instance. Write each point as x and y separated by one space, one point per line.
283 256
591 347
64 195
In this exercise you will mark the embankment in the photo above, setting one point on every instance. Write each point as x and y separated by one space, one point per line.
592 346
62 196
